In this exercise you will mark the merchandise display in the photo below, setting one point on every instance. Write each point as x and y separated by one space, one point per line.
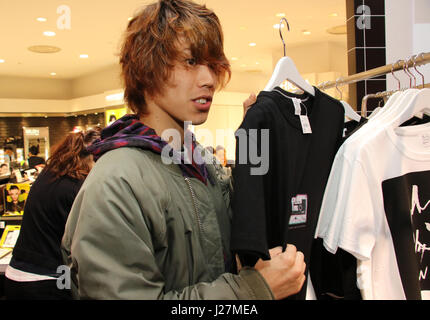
4 252
282 206
9 237
386 226
15 196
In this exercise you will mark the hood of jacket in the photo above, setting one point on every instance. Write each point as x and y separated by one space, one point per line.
130 132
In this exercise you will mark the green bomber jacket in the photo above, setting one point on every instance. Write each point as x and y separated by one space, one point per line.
139 230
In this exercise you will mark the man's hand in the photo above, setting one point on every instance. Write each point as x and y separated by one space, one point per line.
285 272
248 103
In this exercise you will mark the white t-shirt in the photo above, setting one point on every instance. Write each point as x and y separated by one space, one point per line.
376 208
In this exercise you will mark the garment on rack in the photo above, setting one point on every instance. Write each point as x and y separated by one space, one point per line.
376 207
334 276
353 126
281 207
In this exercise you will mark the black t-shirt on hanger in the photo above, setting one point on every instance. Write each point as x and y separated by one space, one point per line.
352 127
282 206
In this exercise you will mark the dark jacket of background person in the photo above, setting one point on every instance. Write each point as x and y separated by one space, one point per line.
33 159
48 205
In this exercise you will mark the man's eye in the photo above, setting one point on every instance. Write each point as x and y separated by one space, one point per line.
191 62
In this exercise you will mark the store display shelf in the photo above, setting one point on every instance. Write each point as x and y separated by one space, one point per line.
11 218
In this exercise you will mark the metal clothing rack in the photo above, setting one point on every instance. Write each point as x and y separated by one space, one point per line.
421 59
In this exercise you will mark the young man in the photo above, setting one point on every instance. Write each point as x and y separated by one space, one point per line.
141 228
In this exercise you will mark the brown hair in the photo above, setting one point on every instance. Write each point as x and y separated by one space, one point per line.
70 157
150 48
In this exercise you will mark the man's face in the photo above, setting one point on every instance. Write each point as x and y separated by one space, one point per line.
187 95
4 170
14 194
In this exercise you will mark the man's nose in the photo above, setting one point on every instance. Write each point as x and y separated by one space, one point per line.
206 77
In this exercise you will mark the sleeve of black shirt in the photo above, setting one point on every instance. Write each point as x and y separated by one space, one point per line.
249 212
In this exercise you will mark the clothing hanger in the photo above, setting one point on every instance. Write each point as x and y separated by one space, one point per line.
349 111
286 70
409 74
415 67
392 96
418 106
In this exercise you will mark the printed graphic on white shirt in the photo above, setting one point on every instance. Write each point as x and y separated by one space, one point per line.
407 206
299 210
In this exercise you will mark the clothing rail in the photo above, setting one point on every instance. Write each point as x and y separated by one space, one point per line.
378 95
421 59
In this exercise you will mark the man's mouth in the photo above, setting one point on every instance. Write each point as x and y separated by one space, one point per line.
203 100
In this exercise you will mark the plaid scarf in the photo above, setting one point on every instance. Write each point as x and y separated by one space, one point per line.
129 131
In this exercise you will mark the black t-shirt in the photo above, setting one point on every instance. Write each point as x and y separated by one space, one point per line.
45 214
282 206
352 127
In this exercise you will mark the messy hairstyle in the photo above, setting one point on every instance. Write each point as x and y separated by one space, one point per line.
150 48
70 157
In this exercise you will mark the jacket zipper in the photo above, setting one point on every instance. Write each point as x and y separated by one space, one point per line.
193 197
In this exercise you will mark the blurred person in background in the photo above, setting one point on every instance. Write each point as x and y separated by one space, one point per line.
4 169
32 272
221 154
9 155
34 161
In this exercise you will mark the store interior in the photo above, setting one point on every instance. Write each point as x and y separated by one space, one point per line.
66 86
59 69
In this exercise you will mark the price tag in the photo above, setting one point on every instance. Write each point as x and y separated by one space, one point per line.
297 107
306 126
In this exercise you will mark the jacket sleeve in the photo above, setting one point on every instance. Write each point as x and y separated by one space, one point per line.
108 244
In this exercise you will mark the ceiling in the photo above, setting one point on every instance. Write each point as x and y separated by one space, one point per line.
97 26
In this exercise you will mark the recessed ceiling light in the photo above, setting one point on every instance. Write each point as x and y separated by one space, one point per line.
338 30
44 49
49 33
53 74
280 15
257 63
130 18
83 56
41 19
334 15
243 65
234 59
1 61
306 32
252 44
